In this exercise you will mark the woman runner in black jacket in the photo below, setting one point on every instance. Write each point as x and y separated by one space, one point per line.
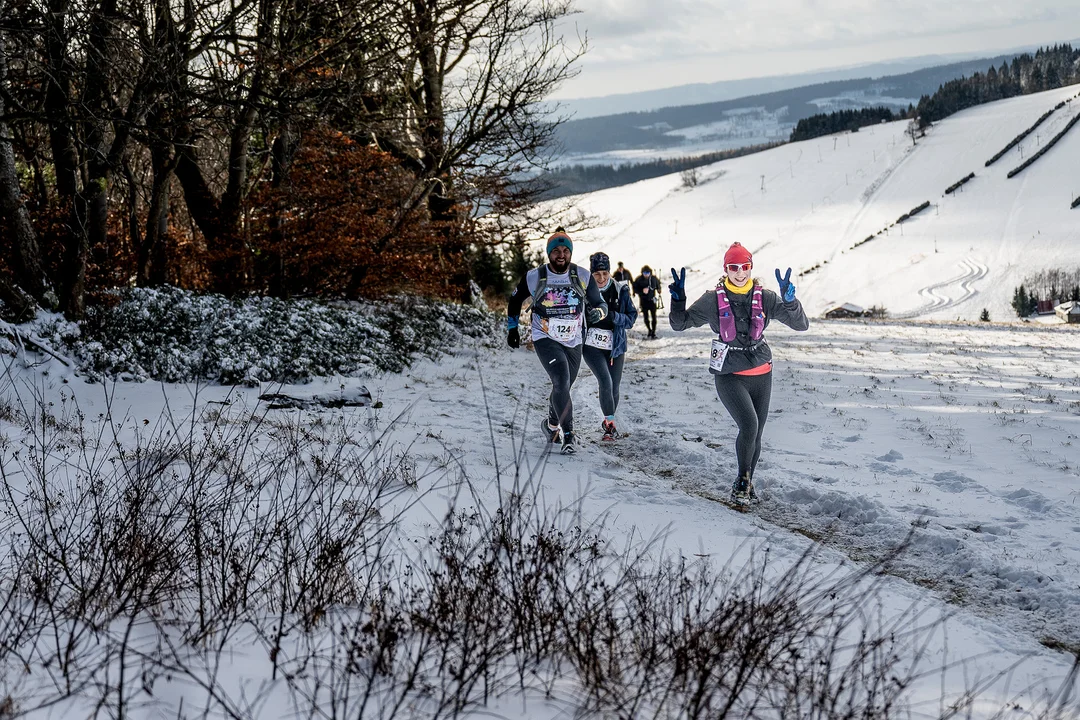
739 309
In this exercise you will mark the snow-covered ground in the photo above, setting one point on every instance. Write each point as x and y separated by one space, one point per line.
957 439
964 436
807 204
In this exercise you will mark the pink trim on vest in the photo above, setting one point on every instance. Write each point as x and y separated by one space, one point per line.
727 318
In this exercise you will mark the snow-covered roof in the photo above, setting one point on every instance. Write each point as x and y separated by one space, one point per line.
850 307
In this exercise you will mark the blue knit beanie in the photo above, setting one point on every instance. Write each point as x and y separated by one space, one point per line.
599 261
559 238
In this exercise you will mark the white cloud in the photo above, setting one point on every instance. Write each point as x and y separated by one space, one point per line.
638 44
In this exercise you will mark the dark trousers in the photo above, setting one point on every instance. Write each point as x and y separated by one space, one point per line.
561 364
608 376
746 398
649 313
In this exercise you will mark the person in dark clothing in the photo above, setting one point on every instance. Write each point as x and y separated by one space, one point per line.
739 310
563 295
646 287
621 274
605 341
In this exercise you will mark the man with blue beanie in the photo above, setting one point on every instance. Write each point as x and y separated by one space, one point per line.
563 295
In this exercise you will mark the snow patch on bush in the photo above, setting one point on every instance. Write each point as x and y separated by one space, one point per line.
174 335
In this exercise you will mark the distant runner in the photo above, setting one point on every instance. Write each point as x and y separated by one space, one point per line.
605 341
739 310
647 288
563 294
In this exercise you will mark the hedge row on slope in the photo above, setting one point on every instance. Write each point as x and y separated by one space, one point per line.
956 185
1017 140
1053 141
906 216
913 212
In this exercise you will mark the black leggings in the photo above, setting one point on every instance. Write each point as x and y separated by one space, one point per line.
608 376
746 398
562 365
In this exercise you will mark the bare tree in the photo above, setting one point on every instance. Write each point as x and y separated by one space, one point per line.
476 118
33 284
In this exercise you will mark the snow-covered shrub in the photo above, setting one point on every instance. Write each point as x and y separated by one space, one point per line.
176 336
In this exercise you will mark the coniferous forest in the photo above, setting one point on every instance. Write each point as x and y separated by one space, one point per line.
840 121
1047 69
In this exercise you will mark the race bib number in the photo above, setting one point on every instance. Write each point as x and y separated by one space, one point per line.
602 339
718 355
563 329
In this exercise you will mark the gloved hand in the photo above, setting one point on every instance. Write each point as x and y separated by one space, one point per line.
678 288
596 314
787 290
512 338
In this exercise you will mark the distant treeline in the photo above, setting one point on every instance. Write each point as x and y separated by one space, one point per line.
841 121
650 129
576 179
1048 69
1056 285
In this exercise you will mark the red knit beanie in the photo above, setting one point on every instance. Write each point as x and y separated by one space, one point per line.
737 254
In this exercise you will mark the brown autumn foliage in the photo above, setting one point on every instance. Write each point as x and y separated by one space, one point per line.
347 222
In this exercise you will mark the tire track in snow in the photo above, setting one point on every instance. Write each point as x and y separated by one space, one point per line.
937 300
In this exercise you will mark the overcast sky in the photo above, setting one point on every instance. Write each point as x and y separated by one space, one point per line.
647 44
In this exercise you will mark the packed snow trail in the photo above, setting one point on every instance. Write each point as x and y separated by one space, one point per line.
864 455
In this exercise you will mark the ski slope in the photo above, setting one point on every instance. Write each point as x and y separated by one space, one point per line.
807 204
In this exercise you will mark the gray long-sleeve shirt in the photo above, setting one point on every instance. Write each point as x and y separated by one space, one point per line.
745 354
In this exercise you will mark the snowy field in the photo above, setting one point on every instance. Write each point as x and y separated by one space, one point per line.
964 436
805 205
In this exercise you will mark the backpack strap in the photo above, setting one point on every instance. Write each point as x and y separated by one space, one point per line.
726 313
541 286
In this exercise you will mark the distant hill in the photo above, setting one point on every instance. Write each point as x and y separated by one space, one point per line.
699 93
654 129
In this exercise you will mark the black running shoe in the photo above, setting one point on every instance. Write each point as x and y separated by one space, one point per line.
568 446
742 490
552 434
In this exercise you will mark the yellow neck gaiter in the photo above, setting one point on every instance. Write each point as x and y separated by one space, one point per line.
732 287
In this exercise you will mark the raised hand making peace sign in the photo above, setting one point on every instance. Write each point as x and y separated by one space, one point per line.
787 290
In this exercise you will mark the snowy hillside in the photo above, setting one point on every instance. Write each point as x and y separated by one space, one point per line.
807 204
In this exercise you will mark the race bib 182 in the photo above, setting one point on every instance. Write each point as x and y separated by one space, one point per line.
602 339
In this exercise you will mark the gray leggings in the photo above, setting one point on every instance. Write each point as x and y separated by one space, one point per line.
608 376
561 364
746 398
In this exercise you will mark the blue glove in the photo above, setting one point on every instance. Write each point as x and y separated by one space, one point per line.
678 288
787 290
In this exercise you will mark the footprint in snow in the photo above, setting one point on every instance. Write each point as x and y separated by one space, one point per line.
1029 500
953 482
